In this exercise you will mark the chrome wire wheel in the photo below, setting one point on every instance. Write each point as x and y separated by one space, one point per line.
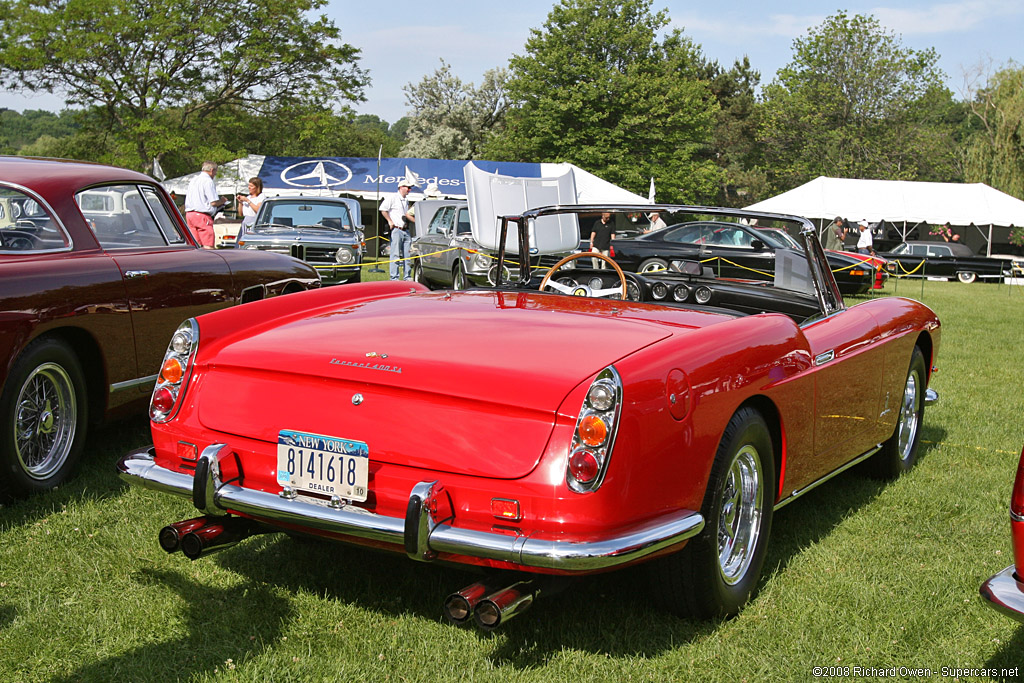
45 420
739 525
910 417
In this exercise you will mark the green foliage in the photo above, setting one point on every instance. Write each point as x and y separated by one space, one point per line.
995 151
452 119
596 88
854 103
735 148
155 71
18 130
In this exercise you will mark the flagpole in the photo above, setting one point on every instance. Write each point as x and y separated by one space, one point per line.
376 215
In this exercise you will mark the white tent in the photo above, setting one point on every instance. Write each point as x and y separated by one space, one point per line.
898 201
903 202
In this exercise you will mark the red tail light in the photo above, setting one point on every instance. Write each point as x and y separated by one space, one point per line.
594 438
174 372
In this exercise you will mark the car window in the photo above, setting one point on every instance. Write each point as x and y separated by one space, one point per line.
305 213
918 250
687 234
120 217
26 226
168 226
463 226
441 219
902 249
940 251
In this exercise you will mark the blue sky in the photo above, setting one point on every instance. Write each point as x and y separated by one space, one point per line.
402 41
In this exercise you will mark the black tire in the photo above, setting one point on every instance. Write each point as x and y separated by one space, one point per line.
653 265
458 277
43 418
719 570
899 452
966 276
417 273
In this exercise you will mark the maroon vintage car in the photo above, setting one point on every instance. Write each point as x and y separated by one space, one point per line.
1005 591
96 270
604 419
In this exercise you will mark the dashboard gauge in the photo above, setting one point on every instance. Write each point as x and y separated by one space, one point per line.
702 295
596 283
632 291
681 293
659 290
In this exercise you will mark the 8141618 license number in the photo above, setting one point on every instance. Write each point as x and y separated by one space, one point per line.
328 465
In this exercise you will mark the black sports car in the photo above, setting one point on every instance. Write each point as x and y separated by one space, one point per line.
731 250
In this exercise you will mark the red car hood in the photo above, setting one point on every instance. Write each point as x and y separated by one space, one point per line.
480 375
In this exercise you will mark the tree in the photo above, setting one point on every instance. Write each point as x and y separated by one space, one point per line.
734 147
452 119
157 70
855 103
598 89
995 152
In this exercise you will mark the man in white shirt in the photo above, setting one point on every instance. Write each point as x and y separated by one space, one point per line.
201 203
865 244
397 213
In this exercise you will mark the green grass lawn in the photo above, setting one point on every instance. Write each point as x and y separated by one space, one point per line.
859 573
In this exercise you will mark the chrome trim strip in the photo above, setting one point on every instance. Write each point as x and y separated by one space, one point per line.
931 397
799 492
1004 593
139 382
139 468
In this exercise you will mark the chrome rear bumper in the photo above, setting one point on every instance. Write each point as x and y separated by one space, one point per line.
1005 593
424 531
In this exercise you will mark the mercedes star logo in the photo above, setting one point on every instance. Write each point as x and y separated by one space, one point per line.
319 173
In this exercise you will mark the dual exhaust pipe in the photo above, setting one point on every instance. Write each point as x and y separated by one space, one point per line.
492 601
489 603
202 536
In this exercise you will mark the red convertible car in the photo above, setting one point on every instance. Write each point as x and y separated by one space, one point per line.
475 427
1005 591
97 269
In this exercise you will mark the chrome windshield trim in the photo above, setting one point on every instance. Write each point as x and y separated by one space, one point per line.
139 468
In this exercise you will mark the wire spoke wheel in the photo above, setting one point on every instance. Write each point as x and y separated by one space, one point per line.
46 418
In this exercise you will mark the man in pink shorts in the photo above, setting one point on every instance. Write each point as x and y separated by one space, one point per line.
201 202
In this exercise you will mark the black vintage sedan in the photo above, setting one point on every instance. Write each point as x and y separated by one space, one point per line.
731 250
944 259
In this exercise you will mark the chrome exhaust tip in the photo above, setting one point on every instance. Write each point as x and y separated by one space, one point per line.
170 536
499 607
217 534
459 606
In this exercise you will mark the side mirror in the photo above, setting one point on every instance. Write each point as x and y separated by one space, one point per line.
757 245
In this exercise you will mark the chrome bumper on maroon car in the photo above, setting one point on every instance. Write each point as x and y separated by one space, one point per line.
424 531
1004 592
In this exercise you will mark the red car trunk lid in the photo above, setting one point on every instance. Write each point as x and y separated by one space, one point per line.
442 382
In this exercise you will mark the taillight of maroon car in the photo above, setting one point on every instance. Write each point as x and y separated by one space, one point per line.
1017 518
595 433
174 372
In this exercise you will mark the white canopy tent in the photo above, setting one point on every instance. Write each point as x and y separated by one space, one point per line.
903 202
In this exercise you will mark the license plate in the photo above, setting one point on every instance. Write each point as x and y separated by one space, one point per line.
328 465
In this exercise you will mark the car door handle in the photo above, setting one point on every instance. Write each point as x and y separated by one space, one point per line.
136 273
826 357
